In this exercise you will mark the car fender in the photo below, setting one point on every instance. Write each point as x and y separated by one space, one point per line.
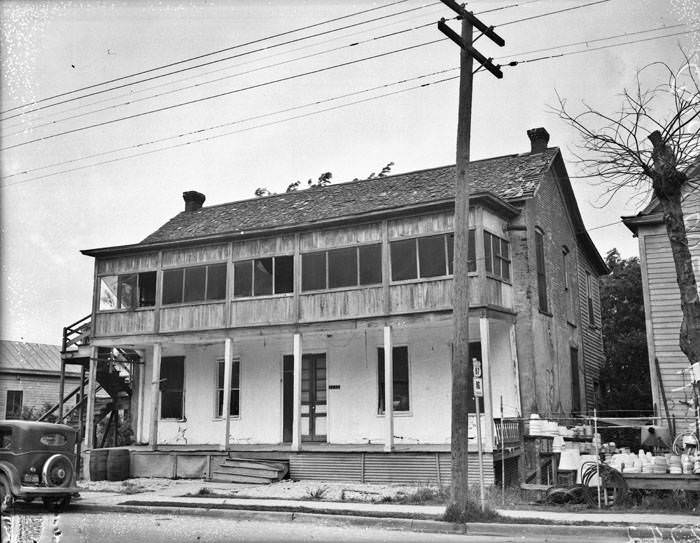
12 475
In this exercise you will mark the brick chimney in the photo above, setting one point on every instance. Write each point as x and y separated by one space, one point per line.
193 200
539 138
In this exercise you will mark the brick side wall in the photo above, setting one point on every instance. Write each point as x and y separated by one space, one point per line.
37 389
546 339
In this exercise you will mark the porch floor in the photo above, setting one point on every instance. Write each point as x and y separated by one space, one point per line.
305 447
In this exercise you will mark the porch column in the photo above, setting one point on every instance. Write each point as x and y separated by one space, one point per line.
388 390
226 408
140 413
296 411
92 388
486 373
155 396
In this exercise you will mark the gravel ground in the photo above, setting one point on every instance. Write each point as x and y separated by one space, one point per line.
21 527
286 490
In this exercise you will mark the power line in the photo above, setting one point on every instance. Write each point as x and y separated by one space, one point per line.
198 57
530 18
165 108
320 102
132 101
238 74
221 94
591 49
230 123
209 63
272 123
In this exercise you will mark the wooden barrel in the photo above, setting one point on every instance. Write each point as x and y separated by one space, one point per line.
98 464
118 464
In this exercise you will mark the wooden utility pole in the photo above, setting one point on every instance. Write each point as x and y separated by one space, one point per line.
461 362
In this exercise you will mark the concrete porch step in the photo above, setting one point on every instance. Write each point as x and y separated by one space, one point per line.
227 477
254 463
249 470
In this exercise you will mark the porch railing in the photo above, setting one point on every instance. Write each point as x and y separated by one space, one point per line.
76 334
507 434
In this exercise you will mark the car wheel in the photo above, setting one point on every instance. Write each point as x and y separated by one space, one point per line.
5 495
56 505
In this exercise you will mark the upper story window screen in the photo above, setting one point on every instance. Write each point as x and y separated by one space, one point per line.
427 256
541 276
497 256
128 291
263 276
234 403
194 284
589 295
338 268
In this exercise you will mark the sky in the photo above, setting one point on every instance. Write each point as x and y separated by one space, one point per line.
89 163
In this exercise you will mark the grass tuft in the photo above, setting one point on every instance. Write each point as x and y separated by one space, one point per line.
472 513
316 493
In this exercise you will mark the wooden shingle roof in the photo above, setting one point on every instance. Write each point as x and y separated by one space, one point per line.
510 178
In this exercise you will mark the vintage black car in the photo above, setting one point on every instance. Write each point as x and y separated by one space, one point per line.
37 460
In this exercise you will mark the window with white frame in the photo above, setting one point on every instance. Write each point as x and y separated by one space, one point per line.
127 291
234 403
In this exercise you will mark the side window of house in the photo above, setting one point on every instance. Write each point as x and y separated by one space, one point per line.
13 405
172 387
194 284
541 275
589 296
338 268
496 256
263 276
128 291
427 256
400 380
234 404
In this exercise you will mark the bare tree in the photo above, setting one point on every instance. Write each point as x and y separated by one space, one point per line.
649 145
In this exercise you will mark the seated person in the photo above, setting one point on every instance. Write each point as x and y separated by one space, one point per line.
653 443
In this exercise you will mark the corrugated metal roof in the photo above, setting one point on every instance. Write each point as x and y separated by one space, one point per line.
31 356
512 177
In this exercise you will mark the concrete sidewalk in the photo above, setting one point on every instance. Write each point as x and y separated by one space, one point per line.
176 498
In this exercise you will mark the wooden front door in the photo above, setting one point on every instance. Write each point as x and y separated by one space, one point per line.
313 397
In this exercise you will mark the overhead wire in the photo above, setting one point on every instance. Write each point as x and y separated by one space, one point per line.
227 93
23 122
230 76
272 123
211 53
231 123
318 102
295 76
209 63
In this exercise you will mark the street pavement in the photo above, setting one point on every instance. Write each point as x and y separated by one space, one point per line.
117 527
105 516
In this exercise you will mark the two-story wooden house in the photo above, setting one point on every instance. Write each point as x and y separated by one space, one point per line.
285 310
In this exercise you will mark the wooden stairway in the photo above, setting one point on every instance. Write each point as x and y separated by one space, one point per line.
249 470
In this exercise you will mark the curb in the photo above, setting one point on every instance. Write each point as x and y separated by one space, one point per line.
346 518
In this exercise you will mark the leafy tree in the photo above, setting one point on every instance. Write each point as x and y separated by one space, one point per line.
323 180
625 386
649 145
